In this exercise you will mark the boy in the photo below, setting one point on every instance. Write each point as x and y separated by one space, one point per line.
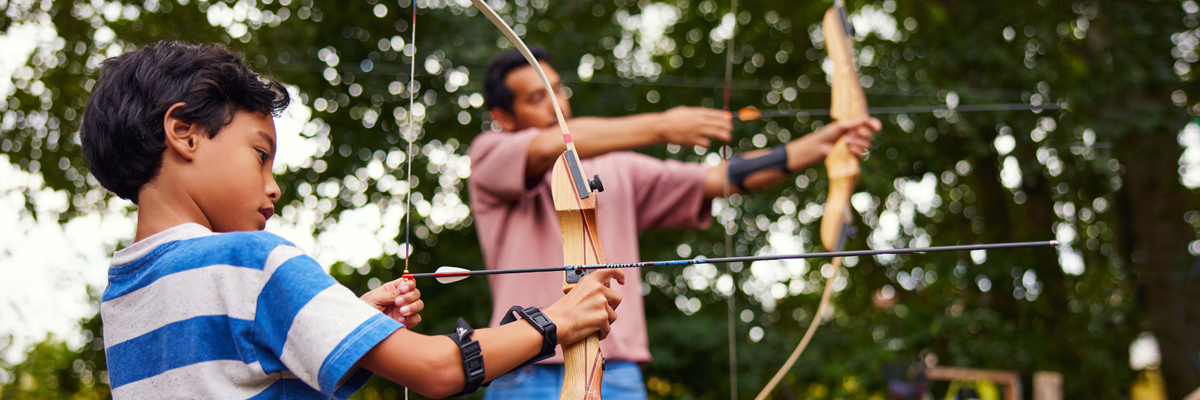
185 131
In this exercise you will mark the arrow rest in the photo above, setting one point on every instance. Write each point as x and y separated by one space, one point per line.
576 274
596 184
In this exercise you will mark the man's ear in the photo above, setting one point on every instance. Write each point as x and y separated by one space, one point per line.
182 137
507 122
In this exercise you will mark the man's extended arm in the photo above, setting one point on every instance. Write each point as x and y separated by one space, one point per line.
801 154
593 136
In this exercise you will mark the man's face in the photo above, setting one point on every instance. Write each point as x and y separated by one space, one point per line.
532 107
236 190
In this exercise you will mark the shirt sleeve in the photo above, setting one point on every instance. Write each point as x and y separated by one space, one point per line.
498 161
670 193
308 324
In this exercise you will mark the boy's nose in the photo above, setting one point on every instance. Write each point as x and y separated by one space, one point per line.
273 191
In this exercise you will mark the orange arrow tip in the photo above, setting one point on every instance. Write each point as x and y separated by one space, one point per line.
749 113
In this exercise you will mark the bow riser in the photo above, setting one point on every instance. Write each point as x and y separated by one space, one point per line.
581 245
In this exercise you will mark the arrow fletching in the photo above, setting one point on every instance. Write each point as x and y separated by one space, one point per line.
749 114
451 274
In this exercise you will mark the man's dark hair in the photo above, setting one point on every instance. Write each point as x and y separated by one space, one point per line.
122 132
495 92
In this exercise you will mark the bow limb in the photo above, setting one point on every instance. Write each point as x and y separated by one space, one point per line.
576 207
842 165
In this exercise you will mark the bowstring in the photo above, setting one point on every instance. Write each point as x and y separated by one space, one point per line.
411 136
726 154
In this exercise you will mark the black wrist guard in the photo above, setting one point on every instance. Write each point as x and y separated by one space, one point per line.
472 358
741 168
542 324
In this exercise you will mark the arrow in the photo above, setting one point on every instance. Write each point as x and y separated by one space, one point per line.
751 113
454 274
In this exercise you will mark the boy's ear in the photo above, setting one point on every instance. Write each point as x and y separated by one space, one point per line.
182 137
507 121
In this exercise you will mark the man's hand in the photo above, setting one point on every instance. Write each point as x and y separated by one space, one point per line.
589 307
398 299
813 147
859 134
694 126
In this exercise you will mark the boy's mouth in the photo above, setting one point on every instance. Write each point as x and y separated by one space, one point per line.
266 213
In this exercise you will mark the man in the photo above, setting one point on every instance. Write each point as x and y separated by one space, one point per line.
518 226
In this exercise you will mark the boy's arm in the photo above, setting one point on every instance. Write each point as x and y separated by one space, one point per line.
432 365
594 136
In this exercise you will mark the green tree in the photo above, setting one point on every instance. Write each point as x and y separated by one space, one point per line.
54 370
1103 174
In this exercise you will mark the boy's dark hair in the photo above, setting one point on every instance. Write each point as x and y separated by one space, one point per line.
495 92
122 132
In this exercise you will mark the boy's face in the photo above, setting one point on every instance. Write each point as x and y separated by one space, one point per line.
236 190
532 108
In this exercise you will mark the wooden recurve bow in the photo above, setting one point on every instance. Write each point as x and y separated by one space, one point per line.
576 205
849 103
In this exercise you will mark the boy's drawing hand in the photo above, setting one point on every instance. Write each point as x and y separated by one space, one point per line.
589 307
398 299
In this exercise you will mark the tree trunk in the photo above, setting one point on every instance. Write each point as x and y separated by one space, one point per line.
1155 239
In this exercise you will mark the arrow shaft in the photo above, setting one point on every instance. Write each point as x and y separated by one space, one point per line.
900 110
718 260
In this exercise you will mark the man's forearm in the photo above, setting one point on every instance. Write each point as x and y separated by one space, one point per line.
594 136
802 154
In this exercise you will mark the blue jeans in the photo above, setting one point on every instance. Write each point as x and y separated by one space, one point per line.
622 381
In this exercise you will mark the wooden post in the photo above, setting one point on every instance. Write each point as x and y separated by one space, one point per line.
1010 379
1047 385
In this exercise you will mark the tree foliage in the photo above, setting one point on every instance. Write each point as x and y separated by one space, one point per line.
1102 175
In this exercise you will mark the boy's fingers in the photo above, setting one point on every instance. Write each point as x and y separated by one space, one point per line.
606 275
394 288
614 298
414 308
407 298
604 330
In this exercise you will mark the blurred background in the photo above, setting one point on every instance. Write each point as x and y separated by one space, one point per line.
1113 175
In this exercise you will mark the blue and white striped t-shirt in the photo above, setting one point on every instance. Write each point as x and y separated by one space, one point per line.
193 314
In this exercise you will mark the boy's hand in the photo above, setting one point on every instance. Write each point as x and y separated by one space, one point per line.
588 308
398 299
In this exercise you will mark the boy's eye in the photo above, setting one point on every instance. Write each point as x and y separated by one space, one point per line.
263 156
